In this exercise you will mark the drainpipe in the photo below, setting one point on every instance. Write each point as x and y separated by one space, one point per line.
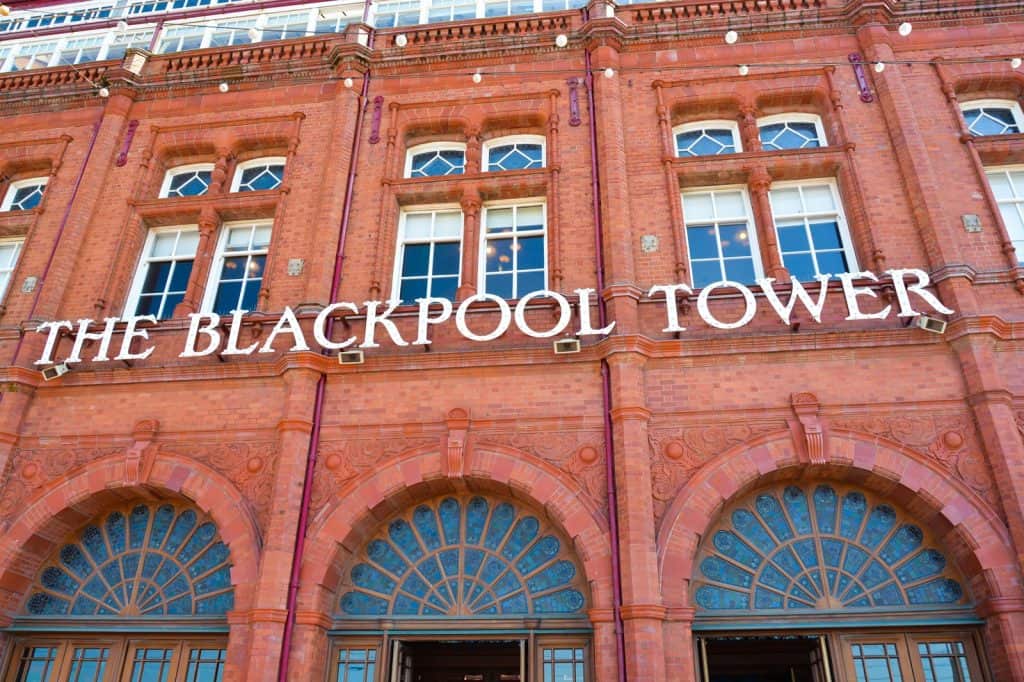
321 385
60 234
606 382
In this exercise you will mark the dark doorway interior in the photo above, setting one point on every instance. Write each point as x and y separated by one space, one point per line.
764 659
464 661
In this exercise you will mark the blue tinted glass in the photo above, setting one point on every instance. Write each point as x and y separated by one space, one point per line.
251 294
444 287
800 266
529 282
740 270
179 278
826 235
833 262
684 142
531 253
705 273
735 240
416 260
156 277
446 258
702 241
412 289
793 238
499 255
227 297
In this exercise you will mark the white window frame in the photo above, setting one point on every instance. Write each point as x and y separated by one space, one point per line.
513 139
8 271
13 188
482 247
755 249
1016 239
171 173
236 182
433 147
142 267
396 279
1012 105
795 117
715 124
216 269
844 228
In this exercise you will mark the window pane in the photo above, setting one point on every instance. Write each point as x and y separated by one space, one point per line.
703 242
163 244
205 665
446 258
793 238
826 235
156 277
499 255
706 272
37 664
531 252
789 135
88 665
698 207
735 240
832 262
786 201
151 665
499 284
729 205
417 225
499 219
448 224
228 294
413 289
800 265
818 199
705 142
529 282
740 270
530 218
444 287
416 261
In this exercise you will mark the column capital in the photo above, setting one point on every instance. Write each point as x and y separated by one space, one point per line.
643 612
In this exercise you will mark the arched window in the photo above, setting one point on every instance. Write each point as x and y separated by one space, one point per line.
259 174
517 152
826 547
23 195
791 131
992 117
435 159
187 181
707 138
149 560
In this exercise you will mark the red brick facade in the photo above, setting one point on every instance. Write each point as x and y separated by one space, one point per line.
699 419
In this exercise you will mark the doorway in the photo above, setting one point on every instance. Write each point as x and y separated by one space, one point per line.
459 661
765 659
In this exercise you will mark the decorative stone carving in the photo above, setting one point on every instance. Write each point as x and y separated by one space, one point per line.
454 455
807 411
32 468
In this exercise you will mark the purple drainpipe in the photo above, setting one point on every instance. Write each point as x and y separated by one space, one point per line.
60 233
606 382
321 387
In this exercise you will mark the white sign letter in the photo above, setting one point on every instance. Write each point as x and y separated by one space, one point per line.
194 330
705 312
503 323
373 319
288 324
798 293
319 326
902 289
131 333
51 339
236 328
83 334
564 314
671 304
851 293
425 319
585 325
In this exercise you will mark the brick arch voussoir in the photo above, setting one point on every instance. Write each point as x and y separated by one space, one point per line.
65 505
909 478
358 509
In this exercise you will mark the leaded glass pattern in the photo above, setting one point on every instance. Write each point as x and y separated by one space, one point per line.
944 662
991 120
519 155
464 557
790 135
188 183
147 560
437 162
257 177
820 548
709 141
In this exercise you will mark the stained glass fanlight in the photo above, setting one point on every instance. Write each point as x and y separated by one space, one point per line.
149 560
464 557
820 548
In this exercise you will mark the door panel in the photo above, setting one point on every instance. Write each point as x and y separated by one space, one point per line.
914 657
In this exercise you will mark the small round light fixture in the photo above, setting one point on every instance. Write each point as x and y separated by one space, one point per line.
1016 62
879 67
5 11
477 77
223 87
744 69
254 34
905 28
122 26
104 92
609 72
401 40
348 83
561 40
731 37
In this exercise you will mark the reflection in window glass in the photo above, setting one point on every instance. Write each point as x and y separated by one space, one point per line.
944 662
563 665
37 664
876 663
88 664
719 237
242 260
789 135
514 250
151 665
808 223
357 665
205 665
397 13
